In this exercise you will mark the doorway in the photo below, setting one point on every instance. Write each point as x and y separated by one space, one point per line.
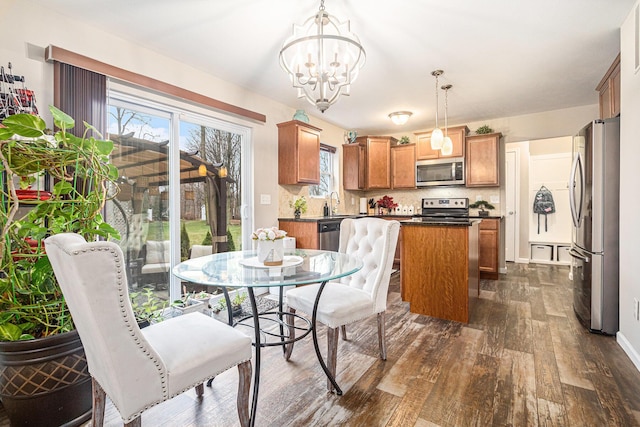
511 206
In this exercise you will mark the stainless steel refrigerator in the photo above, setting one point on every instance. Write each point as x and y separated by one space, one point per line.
594 197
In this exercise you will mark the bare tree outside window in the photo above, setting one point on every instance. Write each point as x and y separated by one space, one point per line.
215 146
326 176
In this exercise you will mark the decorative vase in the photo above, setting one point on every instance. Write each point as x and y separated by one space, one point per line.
271 252
296 213
301 115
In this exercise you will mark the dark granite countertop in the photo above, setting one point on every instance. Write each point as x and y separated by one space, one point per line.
440 222
343 216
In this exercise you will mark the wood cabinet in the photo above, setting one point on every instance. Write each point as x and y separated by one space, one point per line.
423 146
432 286
609 91
483 160
403 166
298 153
305 232
367 163
489 241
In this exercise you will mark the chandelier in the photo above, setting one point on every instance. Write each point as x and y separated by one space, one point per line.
437 138
322 57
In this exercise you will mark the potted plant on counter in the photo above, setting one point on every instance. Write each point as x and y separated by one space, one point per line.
299 206
38 341
482 205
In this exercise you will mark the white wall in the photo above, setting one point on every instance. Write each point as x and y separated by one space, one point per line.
629 335
23 45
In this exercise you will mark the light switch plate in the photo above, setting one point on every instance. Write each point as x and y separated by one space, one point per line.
265 199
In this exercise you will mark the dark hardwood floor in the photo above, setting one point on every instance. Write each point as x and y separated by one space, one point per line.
523 360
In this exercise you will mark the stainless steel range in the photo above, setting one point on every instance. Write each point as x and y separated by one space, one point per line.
452 209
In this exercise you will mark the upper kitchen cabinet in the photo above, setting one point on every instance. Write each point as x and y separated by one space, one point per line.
609 89
423 146
367 163
403 166
298 153
482 160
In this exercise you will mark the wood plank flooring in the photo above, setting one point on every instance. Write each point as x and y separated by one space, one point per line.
523 360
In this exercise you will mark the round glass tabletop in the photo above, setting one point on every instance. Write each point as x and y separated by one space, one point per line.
241 268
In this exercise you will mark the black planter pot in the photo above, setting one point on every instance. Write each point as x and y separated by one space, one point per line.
45 382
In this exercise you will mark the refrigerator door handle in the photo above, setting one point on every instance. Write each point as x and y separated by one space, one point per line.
576 209
578 255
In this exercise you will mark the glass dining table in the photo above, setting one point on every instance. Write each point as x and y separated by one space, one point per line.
241 269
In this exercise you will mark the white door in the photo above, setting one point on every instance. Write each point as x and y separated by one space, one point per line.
511 196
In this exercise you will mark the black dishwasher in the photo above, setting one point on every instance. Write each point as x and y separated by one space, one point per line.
329 234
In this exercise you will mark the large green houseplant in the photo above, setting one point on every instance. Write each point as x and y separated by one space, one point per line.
33 313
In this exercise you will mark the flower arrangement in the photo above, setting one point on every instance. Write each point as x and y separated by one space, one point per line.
386 202
268 234
299 204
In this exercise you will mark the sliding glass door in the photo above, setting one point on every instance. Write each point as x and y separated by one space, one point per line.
175 200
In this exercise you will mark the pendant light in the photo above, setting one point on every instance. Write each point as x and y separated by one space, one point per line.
447 144
436 135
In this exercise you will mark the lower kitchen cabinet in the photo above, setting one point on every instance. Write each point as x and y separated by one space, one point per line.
305 232
489 243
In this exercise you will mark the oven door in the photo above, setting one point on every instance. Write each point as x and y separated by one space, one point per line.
440 172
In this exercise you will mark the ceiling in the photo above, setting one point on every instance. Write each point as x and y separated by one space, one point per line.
503 57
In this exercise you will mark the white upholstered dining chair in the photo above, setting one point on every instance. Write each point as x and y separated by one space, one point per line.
357 296
139 368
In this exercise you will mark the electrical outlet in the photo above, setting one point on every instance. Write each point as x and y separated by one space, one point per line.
478 197
636 309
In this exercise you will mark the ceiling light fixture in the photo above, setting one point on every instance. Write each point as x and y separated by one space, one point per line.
322 57
436 135
447 144
400 117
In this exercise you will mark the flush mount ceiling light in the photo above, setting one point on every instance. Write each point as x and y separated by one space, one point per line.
447 144
436 135
322 57
400 117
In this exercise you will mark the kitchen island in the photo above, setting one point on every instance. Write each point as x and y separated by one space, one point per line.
439 268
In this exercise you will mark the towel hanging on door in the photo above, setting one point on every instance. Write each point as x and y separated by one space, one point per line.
543 205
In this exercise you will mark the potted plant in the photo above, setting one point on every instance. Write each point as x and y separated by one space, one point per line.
482 205
35 324
386 204
147 307
299 206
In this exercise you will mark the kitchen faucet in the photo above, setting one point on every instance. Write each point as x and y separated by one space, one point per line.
334 209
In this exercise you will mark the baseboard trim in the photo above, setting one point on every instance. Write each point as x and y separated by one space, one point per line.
628 348
522 261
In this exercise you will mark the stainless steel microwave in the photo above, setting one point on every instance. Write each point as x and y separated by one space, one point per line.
449 171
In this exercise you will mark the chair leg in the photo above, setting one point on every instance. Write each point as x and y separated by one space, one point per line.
99 400
343 330
244 386
332 353
200 390
290 319
382 341
136 422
